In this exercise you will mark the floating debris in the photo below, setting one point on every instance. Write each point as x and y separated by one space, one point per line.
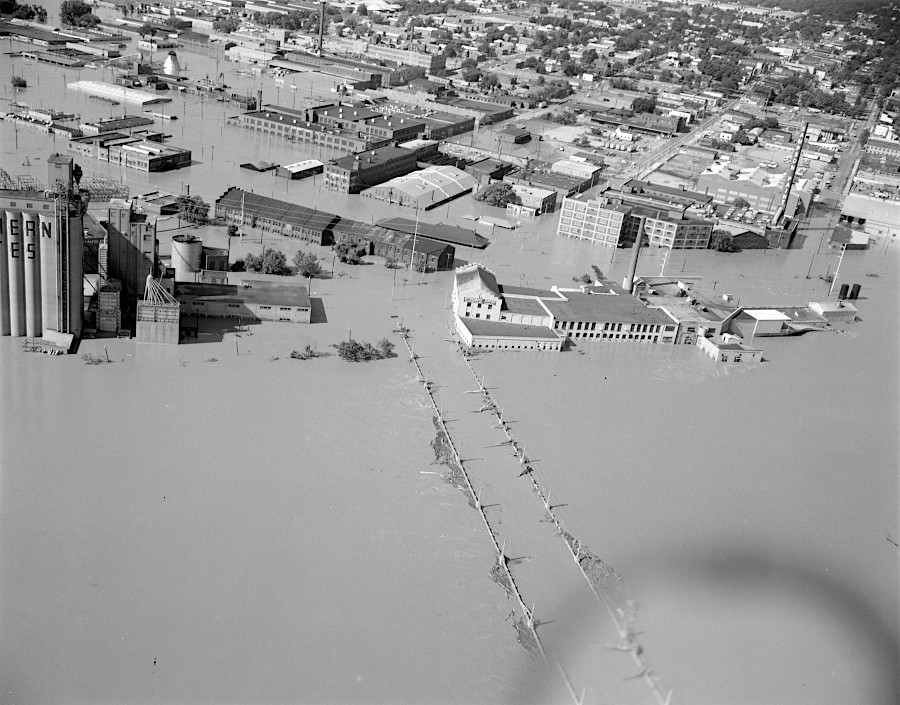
525 636
500 575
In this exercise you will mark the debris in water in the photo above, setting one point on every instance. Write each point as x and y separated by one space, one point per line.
525 636
500 576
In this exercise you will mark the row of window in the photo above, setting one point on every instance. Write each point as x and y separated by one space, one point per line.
631 327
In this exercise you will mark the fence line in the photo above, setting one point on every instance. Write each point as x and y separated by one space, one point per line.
527 612
575 546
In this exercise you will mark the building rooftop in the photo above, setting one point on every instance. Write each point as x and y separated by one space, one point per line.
263 293
767 315
590 307
372 157
443 233
528 307
497 329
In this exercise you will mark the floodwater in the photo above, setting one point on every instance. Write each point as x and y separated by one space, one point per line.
217 522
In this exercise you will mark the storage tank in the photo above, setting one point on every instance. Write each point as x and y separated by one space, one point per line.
186 253
171 67
16 270
854 292
4 278
32 264
49 279
842 294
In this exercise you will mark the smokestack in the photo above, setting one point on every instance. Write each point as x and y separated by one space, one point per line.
259 99
628 281
321 28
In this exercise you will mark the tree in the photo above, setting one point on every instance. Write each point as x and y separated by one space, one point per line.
361 9
193 209
227 25
232 231
740 202
77 13
721 241
497 194
489 81
352 351
271 262
19 82
177 23
643 105
307 264
348 253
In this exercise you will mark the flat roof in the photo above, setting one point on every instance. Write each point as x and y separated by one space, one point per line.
593 307
262 293
496 329
381 155
764 314
527 307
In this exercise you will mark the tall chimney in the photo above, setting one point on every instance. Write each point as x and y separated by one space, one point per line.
259 99
321 29
628 281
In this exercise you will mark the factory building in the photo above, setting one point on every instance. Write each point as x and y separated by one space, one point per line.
130 252
41 248
353 173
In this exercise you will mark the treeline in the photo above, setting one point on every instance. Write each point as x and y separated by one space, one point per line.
23 12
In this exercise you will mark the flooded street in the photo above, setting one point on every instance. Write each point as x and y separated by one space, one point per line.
218 522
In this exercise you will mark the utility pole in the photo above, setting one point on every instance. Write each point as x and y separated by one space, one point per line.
838 270
242 225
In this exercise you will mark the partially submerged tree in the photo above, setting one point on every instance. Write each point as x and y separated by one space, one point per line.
193 209
497 194
271 262
307 264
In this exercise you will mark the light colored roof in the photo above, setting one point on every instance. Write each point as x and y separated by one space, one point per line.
448 181
117 93
304 165
766 314
497 329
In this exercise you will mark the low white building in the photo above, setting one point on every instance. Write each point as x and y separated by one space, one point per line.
729 352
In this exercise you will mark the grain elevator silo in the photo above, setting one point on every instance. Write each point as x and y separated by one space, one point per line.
42 236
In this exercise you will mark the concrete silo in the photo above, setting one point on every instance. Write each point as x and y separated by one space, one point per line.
16 270
186 253
50 317
41 250
4 278
32 264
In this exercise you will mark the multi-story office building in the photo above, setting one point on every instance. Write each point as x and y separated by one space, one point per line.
432 63
613 223
132 152
353 173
